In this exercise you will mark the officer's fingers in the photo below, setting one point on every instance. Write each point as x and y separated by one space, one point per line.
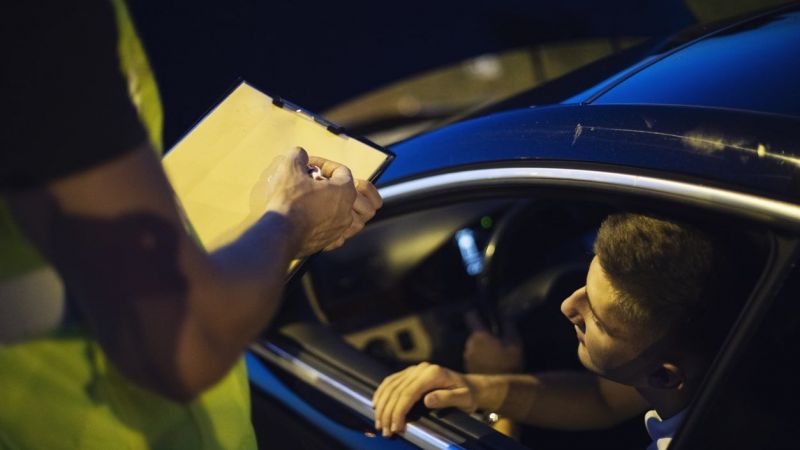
445 398
334 245
369 190
338 236
327 167
356 226
298 158
343 177
363 206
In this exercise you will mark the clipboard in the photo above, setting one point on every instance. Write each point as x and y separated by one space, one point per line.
216 168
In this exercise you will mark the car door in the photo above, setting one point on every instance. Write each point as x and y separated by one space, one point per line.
396 293
329 358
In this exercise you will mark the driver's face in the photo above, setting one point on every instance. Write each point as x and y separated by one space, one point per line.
606 344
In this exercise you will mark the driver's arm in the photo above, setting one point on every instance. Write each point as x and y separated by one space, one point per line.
169 315
559 400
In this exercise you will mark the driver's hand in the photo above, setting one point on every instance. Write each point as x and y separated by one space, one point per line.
437 386
487 353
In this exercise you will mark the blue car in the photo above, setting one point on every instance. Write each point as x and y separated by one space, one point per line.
496 213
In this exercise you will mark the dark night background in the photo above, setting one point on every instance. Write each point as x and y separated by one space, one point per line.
321 53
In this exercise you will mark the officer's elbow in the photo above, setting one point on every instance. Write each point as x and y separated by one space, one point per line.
181 391
184 386
178 372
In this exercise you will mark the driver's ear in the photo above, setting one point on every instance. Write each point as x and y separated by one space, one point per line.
667 376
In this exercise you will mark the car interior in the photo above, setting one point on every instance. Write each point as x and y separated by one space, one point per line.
397 293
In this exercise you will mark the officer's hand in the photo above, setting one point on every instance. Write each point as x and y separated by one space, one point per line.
321 211
368 200
437 386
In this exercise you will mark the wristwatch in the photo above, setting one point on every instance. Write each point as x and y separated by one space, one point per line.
489 418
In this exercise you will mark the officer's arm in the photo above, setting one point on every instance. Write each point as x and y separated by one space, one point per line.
169 315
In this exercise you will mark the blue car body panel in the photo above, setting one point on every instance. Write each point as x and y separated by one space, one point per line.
261 376
723 109
743 151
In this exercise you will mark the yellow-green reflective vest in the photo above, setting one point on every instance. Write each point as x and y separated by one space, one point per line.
57 388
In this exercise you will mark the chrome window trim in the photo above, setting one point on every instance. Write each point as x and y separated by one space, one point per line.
747 205
349 396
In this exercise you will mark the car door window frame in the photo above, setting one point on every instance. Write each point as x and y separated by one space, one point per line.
489 181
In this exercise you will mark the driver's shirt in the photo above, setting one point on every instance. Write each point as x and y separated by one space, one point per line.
78 91
661 430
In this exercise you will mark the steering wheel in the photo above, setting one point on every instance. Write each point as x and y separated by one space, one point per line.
495 303
488 286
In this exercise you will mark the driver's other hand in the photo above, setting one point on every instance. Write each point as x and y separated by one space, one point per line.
486 353
321 210
367 202
437 386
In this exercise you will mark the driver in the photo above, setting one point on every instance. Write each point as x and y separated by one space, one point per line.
648 322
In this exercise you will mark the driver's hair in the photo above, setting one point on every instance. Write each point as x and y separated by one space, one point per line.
668 276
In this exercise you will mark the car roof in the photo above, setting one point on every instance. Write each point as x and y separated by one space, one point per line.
752 65
696 127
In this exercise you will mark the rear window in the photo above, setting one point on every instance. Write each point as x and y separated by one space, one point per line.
754 67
